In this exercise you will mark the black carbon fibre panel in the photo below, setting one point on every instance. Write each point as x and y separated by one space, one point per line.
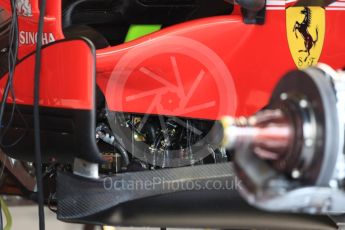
80 197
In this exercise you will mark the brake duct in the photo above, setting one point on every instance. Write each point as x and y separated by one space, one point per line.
290 155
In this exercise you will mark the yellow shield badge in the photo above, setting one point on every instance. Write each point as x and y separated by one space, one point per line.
306 33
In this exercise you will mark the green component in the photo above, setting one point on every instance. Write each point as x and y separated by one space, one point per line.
6 213
137 31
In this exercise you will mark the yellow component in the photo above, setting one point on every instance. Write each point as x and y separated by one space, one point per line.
138 137
108 228
226 122
7 214
306 34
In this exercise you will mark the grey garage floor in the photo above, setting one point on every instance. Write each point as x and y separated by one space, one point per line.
26 218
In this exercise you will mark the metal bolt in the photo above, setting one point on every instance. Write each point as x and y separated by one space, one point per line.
303 103
283 96
296 174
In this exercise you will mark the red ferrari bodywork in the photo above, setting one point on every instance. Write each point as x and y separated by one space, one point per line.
206 68
58 81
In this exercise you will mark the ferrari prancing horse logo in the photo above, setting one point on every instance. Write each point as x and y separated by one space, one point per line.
306 32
